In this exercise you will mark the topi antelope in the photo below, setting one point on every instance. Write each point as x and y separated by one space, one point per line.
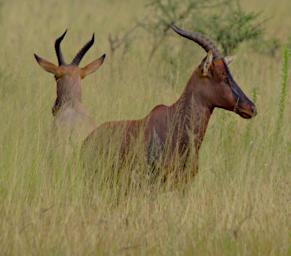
179 129
69 113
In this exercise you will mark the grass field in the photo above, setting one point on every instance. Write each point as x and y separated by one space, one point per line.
238 204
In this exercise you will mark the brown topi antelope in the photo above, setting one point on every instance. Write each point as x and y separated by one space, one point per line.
69 113
178 129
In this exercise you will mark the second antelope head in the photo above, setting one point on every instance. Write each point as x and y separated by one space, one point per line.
68 76
217 88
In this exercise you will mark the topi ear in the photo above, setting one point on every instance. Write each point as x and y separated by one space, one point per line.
47 66
92 67
207 63
229 59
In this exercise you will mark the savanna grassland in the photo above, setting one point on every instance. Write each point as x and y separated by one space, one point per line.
238 204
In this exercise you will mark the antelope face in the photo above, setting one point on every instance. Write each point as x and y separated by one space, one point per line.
221 90
68 76
216 86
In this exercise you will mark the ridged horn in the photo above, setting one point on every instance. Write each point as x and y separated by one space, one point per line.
76 61
58 49
200 39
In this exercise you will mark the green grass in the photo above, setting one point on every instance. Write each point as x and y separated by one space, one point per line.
238 204
284 91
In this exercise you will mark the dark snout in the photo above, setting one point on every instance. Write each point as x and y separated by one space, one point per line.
246 109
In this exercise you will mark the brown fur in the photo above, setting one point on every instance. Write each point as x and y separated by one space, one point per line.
171 133
178 129
70 117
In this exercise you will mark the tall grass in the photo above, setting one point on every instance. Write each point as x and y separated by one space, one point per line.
284 91
238 204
